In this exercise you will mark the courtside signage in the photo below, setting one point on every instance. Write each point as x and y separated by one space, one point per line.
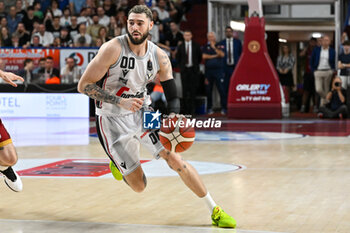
65 105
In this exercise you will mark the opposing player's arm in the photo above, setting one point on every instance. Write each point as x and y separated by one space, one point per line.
10 77
168 83
95 71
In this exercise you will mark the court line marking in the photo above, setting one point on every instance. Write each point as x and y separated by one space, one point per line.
141 225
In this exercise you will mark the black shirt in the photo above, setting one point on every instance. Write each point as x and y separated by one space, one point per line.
345 59
335 102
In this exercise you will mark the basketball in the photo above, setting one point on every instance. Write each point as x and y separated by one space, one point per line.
177 134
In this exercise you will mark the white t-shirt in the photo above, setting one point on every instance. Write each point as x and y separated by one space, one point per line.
324 63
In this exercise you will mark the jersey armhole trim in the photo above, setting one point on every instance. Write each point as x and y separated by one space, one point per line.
120 55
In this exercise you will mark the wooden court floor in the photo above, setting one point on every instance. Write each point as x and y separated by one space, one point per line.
299 185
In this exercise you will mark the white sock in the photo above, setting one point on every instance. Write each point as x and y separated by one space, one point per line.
210 202
3 168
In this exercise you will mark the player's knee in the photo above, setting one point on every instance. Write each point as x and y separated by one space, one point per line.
9 159
139 185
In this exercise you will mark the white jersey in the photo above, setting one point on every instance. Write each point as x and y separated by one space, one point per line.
128 77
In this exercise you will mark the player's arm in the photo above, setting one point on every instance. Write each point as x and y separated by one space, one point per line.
97 68
10 77
168 83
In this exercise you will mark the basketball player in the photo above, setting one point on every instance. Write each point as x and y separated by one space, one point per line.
116 78
8 155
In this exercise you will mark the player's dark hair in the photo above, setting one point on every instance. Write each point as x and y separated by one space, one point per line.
139 9
26 61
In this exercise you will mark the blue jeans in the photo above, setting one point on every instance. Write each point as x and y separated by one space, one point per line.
216 76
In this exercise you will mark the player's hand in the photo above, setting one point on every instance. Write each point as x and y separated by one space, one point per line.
132 104
10 77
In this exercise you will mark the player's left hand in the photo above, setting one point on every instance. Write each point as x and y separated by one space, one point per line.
10 77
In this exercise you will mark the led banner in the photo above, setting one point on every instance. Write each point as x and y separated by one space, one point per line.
14 58
82 56
65 105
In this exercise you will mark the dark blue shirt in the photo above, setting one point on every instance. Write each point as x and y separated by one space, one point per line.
215 63
335 102
345 59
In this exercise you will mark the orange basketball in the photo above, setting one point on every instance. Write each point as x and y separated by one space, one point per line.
177 134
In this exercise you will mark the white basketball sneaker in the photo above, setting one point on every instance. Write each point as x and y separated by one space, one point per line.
12 180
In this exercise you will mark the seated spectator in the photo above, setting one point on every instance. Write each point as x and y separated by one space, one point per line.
55 10
82 33
20 9
71 73
344 65
113 29
3 13
65 20
41 65
103 19
110 8
15 40
46 38
94 28
56 42
81 42
121 21
102 34
66 40
13 20
74 27
48 71
3 23
54 27
336 107
27 72
37 10
162 12
5 37
83 17
36 42
29 19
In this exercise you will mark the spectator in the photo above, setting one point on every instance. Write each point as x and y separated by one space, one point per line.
29 19
103 19
94 28
109 8
344 65
308 77
36 26
155 30
232 48
336 108
83 17
24 37
41 66
74 27
174 38
13 20
175 11
98 43
89 13
3 13
55 10
83 34
76 5
36 42
189 56
214 72
56 42
37 10
323 64
285 64
113 29
123 6
102 34
162 12
71 73
49 71
46 38
55 27
121 21
19 9
15 40
66 18
81 42
3 22
48 18
66 40
5 37
27 72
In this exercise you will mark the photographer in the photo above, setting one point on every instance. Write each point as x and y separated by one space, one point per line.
336 107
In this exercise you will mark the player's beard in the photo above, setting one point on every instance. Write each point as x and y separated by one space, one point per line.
137 41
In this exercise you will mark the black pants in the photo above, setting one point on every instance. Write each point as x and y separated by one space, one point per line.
328 113
189 80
